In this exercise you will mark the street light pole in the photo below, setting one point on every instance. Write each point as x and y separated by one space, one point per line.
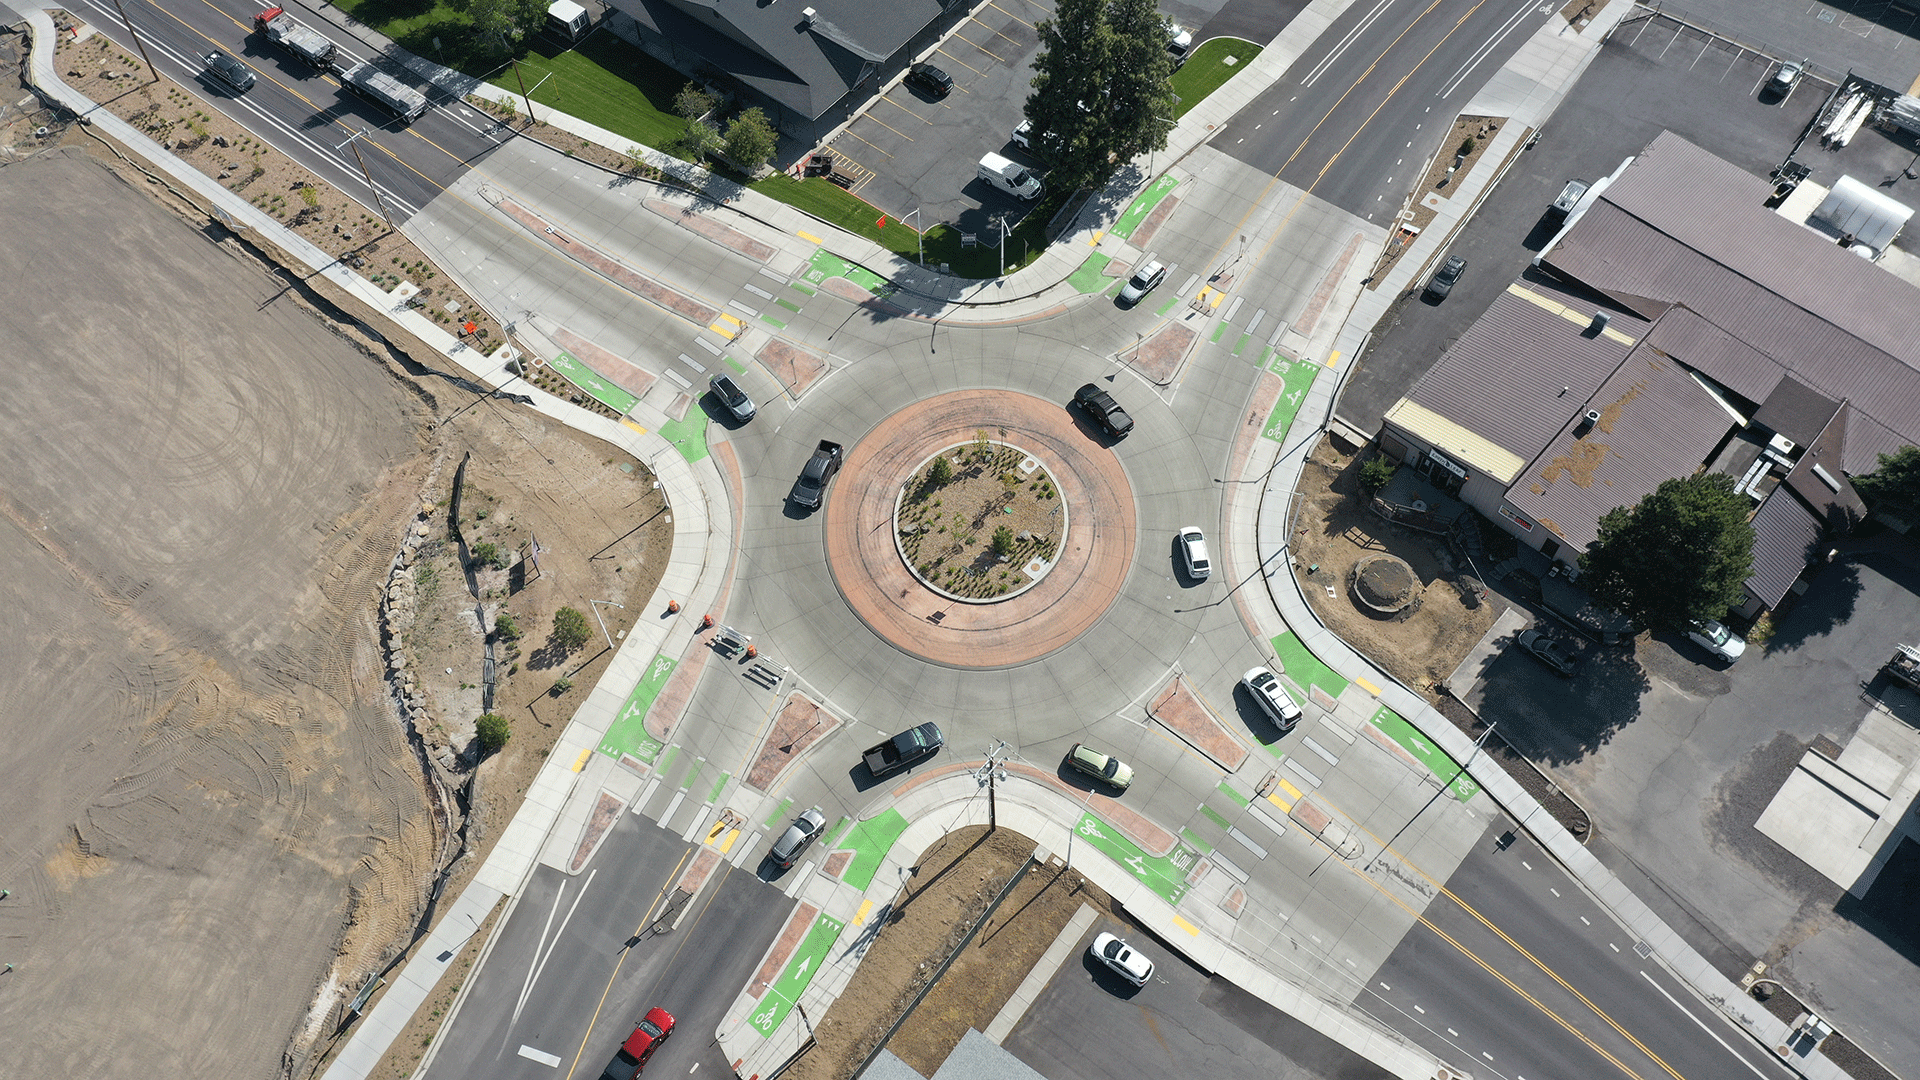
141 45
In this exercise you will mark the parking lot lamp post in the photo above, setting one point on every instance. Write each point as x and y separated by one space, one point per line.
919 233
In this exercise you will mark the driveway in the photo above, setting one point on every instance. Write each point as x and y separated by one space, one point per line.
1676 758
1088 1024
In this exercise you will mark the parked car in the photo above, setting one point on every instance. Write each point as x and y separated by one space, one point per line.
1723 643
1023 135
1179 42
1122 958
235 74
1142 282
799 836
1105 411
1554 653
1569 198
1193 552
728 394
1109 770
1787 77
652 1030
1265 687
1445 278
930 79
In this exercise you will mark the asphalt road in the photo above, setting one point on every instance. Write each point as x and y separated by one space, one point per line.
1088 1024
1358 116
305 114
560 980
1551 986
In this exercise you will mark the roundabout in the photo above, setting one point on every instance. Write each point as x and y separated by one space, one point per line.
1091 559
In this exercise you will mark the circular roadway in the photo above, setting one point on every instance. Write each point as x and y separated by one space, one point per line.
1093 558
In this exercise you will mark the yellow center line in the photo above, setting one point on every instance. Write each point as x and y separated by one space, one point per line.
615 973
1538 964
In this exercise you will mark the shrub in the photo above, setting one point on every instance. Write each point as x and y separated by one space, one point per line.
570 630
485 552
1376 471
505 628
493 731
751 141
1003 541
940 472
1467 145
561 685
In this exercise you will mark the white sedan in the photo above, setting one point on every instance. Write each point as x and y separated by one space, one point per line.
1123 959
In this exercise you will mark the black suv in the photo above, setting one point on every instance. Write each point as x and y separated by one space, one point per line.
1104 410
230 71
930 79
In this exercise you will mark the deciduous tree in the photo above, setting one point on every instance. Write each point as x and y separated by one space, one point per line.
1894 485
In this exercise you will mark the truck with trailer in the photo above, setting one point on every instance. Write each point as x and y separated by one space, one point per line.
904 749
379 87
296 37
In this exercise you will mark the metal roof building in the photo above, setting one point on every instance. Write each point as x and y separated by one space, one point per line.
1741 342
798 58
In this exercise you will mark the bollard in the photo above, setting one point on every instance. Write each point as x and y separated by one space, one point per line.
706 622
673 607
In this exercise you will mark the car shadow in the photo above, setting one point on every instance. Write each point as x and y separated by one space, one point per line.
719 413
1106 978
1090 428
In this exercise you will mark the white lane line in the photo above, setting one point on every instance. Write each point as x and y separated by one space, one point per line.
1554 891
540 959
551 1061
1345 43
1485 50
1584 919
781 278
1526 864
1612 946
1703 1026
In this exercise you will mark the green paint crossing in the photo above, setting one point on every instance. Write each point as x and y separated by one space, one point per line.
1297 377
597 386
800 970
628 732
870 840
1408 738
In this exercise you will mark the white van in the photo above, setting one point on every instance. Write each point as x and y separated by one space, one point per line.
1009 176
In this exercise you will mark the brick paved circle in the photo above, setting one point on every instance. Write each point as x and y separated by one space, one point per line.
1094 557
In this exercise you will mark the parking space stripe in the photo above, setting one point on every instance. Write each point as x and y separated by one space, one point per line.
1017 18
906 110
889 127
856 135
962 63
981 47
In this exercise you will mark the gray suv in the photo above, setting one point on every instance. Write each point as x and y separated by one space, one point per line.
230 71
798 837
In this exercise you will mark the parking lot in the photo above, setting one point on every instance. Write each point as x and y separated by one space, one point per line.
1089 1024
1652 75
913 150
1677 756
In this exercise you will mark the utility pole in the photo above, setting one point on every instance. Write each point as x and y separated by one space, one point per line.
141 45
989 774
353 140
523 86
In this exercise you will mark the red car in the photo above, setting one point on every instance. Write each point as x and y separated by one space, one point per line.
653 1030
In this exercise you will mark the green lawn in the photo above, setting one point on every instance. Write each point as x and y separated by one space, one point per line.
832 203
1207 69
607 83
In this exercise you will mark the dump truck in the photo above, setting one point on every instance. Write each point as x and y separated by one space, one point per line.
296 37
904 749
378 86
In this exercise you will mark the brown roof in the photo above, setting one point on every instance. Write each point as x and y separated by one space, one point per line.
1786 536
1656 423
1764 297
1504 378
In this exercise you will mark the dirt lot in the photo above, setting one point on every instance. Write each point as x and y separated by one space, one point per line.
205 489
1333 530
952 886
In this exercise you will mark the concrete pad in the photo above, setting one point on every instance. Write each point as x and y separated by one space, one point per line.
1820 824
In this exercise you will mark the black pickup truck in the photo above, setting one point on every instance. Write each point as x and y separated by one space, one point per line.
904 749
812 485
